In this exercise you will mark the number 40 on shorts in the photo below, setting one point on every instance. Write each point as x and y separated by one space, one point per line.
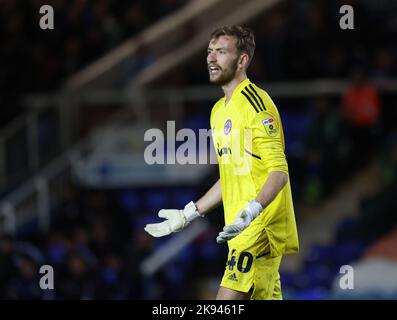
244 261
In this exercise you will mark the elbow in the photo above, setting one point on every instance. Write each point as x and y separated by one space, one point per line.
283 179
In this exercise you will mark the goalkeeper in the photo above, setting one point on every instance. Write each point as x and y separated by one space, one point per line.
254 182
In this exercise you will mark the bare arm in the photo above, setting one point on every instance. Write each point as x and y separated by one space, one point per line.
273 185
210 200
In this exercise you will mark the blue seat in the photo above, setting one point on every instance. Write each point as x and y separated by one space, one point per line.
320 275
296 125
346 253
320 254
130 201
182 196
156 200
312 294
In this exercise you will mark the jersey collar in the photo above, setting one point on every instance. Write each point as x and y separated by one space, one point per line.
239 87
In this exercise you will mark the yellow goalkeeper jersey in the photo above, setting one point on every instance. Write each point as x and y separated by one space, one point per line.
248 138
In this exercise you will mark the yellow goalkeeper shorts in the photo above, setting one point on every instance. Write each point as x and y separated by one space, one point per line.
259 275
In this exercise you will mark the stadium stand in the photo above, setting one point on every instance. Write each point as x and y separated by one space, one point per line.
95 238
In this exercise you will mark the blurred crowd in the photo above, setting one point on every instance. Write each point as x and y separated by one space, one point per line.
96 242
303 40
365 241
96 245
35 60
331 138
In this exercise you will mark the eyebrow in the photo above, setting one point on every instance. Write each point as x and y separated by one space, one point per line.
217 49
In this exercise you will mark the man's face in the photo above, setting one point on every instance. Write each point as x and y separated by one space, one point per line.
222 59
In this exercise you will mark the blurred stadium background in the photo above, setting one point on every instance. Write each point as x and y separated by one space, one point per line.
75 104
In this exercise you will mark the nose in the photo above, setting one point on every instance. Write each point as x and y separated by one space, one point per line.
211 57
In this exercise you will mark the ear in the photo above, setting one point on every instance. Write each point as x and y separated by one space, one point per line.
243 61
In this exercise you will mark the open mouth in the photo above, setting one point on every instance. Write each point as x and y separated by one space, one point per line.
213 70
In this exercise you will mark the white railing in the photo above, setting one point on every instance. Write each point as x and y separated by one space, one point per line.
172 247
170 28
199 15
36 196
26 128
99 74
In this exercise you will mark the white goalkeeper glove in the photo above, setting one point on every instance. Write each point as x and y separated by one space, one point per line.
175 221
242 221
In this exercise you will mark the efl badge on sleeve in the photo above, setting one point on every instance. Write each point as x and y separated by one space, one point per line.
270 125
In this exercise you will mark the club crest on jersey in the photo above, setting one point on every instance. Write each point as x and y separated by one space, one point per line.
228 126
270 126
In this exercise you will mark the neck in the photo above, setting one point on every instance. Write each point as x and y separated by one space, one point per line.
229 88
